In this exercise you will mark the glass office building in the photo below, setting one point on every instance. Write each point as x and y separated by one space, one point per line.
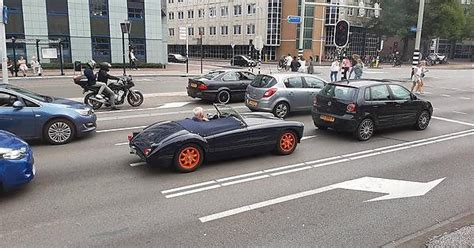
87 29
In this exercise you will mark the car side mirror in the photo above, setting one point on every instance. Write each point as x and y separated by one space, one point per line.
18 105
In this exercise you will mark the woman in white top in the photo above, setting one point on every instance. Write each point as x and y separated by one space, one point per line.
22 65
335 68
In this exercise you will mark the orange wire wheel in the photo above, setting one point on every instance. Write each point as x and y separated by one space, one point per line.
189 158
287 143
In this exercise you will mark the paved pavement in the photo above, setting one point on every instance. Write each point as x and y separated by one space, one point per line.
92 192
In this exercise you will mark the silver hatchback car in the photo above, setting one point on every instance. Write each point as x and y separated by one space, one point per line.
283 93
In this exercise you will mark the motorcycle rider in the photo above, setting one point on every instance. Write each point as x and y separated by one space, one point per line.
103 76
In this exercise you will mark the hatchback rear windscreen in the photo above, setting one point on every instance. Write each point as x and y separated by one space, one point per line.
263 81
339 92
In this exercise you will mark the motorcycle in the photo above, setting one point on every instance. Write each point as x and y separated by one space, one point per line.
121 88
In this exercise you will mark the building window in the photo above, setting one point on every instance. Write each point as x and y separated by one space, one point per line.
180 1
55 7
180 15
191 14
251 9
350 11
190 31
171 16
237 10
237 29
212 31
171 30
224 11
251 29
201 31
135 13
201 13
101 48
224 30
212 12
170 1
98 8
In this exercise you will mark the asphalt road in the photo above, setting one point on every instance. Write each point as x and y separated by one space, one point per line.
92 192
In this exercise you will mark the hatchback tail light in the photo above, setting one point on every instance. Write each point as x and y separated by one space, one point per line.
202 87
351 108
146 151
130 137
270 92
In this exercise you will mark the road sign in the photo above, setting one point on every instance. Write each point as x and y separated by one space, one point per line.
259 43
232 45
413 29
294 19
183 33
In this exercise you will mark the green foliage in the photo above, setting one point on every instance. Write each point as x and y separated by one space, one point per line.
444 19
468 31
396 18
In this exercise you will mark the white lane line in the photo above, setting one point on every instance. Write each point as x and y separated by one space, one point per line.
119 129
309 137
174 105
188 187
321 162
428 93
193 191
453 121
245 180
239 176
458 112
137 164
465 98
445 95
122 144
263 204
164 94
126 110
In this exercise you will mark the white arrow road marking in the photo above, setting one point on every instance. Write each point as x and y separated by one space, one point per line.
174 105
282 170
393 188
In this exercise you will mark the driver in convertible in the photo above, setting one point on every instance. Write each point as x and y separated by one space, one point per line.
199 114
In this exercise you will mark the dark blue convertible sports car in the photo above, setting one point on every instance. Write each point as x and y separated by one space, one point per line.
187 143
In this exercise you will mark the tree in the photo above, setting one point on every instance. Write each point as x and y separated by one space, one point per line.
444 19
468 31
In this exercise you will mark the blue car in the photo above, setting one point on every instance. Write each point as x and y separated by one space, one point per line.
16 162
34 116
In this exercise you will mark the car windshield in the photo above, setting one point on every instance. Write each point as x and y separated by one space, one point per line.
212 74
225 110
30 94
339 92
263 81
179 56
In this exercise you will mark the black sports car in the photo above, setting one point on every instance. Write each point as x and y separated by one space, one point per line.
220 86
187 143
242 60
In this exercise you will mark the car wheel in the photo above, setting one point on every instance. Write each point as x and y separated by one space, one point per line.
223 97
365 130
286 143
423 120
59 131
189 158
281 110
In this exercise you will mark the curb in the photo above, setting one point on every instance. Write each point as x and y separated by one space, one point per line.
71 76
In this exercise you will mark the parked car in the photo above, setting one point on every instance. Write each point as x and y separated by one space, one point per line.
242 60
176 58
16 162
187 143
35 116
436 58
364 106
220 86
283 93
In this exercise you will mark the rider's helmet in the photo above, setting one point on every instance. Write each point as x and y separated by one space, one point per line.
91 63
105 66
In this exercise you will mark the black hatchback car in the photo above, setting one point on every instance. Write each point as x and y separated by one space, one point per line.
363 106
241 60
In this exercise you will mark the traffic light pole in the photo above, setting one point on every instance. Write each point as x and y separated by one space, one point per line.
419 29
3 47
301 41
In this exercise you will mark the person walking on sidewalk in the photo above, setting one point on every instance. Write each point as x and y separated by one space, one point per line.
133 59
311 65
35 66
10 67
22 65
346 66
358 69
417 78
295 65
335 68
289 60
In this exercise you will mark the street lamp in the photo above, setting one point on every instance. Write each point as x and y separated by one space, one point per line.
126 26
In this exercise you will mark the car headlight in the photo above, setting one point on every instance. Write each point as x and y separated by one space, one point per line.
11 154
85 111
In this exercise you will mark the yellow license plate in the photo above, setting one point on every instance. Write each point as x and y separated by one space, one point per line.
194 85
252 103
327 118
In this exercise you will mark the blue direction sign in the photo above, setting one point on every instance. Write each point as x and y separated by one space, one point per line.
294 19
413 29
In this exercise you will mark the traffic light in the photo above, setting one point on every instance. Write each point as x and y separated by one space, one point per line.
341 33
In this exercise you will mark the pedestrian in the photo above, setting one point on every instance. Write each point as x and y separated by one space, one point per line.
346 66
295 65
133 59
311 65
289 59
358 69
354 59
417 72
421 83
35 66
10 67
302 62
335 68
22 65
